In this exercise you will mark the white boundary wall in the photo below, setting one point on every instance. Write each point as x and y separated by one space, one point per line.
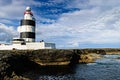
28 46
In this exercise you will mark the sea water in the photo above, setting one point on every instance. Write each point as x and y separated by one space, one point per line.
107 68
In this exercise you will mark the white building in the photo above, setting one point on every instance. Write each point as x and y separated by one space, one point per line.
28 46
27 36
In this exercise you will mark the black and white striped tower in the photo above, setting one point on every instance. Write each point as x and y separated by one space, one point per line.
27 26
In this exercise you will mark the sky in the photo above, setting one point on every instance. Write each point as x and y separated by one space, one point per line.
67 23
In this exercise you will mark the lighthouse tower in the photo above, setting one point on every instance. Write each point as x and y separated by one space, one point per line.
27 36
27 26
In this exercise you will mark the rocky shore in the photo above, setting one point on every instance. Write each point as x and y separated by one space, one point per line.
14 63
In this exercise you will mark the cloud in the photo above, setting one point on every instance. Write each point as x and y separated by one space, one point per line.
7 33
94 25
12 9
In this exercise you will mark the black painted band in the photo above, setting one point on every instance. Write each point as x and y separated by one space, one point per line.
27 22
27 35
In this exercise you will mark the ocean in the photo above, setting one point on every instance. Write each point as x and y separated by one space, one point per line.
107 68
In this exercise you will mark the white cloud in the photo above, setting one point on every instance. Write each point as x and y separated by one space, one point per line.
94 26
13 9
97 22
7 33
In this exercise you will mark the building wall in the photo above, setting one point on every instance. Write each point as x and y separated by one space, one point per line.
49 46
36 45
11 47
29 46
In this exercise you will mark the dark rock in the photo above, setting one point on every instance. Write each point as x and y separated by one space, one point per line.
14 63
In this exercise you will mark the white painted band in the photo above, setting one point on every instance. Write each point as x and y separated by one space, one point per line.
27 28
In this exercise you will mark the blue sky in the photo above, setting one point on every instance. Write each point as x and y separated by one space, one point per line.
68 23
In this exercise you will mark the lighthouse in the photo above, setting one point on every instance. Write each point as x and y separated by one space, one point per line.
27 26
26 41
